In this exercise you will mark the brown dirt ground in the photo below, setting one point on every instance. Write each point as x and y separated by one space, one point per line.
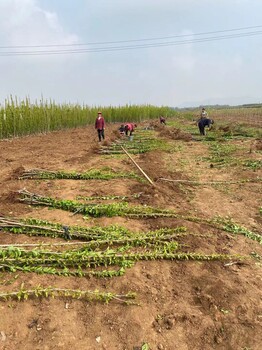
183 305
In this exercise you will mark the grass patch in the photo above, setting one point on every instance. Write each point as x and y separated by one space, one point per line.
232 131
253 164
143 141
221 154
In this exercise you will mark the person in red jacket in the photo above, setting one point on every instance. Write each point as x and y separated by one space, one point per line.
100 126
130 127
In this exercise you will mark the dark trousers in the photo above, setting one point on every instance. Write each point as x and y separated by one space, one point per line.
130 132
201 129
101 134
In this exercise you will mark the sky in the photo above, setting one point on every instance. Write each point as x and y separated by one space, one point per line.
96 52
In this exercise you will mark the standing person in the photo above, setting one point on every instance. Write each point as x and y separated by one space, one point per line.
202 123
130 127
203 113
100 126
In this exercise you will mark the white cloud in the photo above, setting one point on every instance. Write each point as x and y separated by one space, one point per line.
162 75
24 22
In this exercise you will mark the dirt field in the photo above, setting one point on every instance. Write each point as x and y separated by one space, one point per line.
183 305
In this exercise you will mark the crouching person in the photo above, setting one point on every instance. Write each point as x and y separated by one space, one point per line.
162 120
130 127
122 130
203 123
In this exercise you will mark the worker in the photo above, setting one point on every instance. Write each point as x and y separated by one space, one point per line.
202 123
203 113
122 130
100 126
130 127
162 120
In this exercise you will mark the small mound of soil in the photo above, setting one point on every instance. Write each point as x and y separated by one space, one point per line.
224 128
106 143
175 134
117 134
258 145
18 172
156 125
11 197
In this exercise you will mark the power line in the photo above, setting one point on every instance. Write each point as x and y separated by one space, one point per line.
132 40
129 47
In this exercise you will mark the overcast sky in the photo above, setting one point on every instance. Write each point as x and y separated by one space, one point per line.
190 74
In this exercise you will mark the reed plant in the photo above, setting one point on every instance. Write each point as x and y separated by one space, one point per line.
23 117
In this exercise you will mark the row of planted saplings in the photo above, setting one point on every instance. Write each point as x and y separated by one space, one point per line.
116 208
102 255
96 251
100 252
142 142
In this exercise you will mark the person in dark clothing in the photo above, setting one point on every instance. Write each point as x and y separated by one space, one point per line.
202 123
130 127
162 120
122 129
100 126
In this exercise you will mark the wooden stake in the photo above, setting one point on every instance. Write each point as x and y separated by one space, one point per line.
138 167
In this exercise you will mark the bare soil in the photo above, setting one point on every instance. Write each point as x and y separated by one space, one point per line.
183 305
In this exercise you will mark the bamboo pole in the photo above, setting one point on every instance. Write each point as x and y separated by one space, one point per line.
138 167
